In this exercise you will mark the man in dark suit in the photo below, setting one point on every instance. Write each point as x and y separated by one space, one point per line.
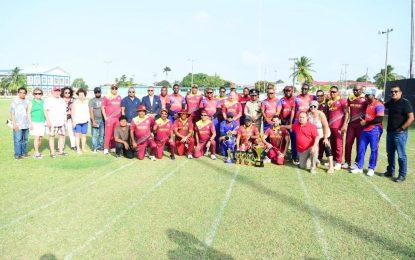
152 103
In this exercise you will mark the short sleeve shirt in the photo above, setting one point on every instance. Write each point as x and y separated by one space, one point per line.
19 110
397 113
95 104
122 133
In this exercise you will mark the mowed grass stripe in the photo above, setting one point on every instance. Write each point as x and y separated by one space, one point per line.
173 222
68 224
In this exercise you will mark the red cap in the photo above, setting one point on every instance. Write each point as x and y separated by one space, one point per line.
141 108
55 88
183 111
164 110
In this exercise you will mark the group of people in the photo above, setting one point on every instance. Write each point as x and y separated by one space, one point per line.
203 123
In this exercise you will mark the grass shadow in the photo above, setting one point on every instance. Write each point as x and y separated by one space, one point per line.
337 222
189 247
48 257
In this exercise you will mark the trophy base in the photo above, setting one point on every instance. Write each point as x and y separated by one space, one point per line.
259 163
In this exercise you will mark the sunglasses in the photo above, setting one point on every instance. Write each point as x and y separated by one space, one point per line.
333 92
223 91
37 93
114 88
356 90
203 115
313 106
254 95
210 92
394 91
151 90
66 92
320 95
131 91
305 88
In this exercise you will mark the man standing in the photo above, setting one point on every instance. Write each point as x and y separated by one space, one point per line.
211 106
152 103
269 108
129 105
231 105
176 103
19 113
111 111
303 100
372 130
357 107
164 97
183 131
243 99
338 116
140 132
307 142
193 103
97 121
55 113
286 110
400 117
163 134
253 108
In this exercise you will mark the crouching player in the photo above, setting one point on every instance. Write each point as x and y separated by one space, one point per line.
163 134
278 137
205 136
183 132
122 139
140 131
227 137
247 136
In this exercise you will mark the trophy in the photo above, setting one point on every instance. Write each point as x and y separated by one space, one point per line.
230 143
229 155
238 157
258 151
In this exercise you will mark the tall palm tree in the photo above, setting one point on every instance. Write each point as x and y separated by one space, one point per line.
303 70
380 77
166 70
17 79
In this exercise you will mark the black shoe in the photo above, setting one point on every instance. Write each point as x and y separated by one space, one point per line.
118 155
388 174
400 179
172 157
296 161
74 148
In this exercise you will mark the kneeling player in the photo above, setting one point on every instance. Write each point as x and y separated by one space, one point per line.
227 137
183 132
205 137
278 139
247 136
140 131
163 134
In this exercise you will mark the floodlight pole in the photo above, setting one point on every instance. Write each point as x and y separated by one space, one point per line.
192 61
294 60
411 67
386 57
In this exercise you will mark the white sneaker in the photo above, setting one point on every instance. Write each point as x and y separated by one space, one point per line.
189 156
357 170
267 160
95 151
370 172
152 158
313 170
113 150
318 163
354 166
105 151
213 157
345 166
337 166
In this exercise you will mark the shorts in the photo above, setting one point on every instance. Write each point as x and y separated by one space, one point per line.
38 129
81 128
56 130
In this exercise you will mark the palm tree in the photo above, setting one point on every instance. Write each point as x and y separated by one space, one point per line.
166 70
303 70
380 77
17 79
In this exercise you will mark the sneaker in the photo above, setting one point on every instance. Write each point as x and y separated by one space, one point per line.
354 166
228 161
112 150
388 174
53 156
152 158
189 156
267 160
62 154
95 150
18 157
296 161
74 148
357 170
105 151
213 157
172 157
345 166
313 170
38 156
370 172
337 166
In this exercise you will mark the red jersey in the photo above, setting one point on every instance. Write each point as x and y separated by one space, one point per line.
336 112
323 107
357 108
142 127
286 106
193 102
204 130
112 106
232 107
176 102
183 127
247 133
277 137
243 99
164 100
302 103
269 107
209 105
305 135
373 110
163 129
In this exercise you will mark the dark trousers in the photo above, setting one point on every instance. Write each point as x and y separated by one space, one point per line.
396 143
120 150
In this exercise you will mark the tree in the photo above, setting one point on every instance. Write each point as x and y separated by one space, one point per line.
163 83
79 83
262 85
363 78
379 78
303 70
166 70
204 80
4 84
17 80
280 81
122 82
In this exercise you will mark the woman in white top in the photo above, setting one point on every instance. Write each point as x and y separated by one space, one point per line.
80 119
318 118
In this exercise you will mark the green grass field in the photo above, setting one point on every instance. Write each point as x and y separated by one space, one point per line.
93 206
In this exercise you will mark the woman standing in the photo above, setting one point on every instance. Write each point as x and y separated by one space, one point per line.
318 118
80 118
111 110
37 120
67 95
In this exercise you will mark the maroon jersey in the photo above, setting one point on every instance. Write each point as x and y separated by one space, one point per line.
204 130
336 112
286 106
193 102
209 105
277 137
269 107
183 127
163 129
357 108
141 127
247 133
243 99
302 103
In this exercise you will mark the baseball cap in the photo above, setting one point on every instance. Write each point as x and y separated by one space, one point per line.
56 88
97 90
314 103
141 108
370 91
229 114
248 119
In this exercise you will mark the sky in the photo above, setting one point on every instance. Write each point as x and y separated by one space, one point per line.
241 41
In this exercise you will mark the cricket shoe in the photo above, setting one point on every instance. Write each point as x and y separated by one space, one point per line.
357 170
345 166
337 166
370 172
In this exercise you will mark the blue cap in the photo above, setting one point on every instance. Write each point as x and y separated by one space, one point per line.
370 91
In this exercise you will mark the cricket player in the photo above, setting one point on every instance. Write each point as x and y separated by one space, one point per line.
246 136
232 105
183 131
205 136
278 139
111 111
193 102
163 134
269 108
175 104
140 132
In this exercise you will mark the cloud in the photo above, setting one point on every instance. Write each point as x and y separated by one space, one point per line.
201 16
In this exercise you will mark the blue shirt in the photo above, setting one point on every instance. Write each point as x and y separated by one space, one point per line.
225 127
130 107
